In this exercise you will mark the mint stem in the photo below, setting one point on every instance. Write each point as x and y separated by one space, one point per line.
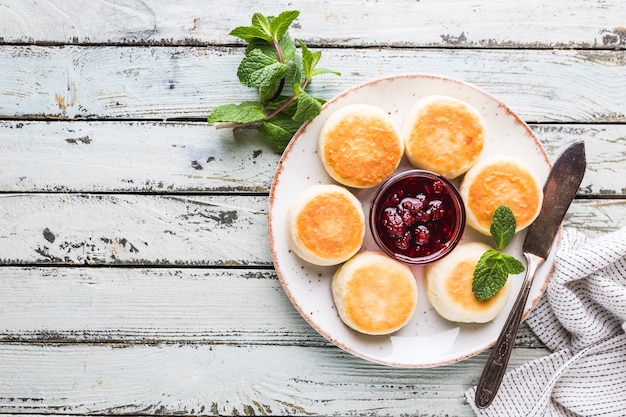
233 125
286 103
281 107
278 51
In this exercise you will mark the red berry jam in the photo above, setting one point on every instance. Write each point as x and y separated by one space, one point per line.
417 216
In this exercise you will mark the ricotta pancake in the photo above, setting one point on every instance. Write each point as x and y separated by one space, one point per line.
374 294
448 286
326 224
501 180
444 135
360 145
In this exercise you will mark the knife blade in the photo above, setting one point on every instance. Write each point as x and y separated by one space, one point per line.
558 192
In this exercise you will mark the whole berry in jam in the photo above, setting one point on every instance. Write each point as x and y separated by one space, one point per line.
437 209
393 223
417 216
438 187
422 235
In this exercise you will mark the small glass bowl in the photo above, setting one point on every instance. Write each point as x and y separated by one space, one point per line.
417 217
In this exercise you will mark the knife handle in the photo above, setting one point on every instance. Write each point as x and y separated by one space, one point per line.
496 364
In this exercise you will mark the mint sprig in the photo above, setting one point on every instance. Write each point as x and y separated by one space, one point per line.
273 65
494 266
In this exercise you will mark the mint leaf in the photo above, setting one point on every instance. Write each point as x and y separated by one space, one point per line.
307 107
259 70
490 274
246 112
249 33
319 71
262 23
489 277
267 92
260 29
311 59
299 75
503 226
512 265
280 24
279 130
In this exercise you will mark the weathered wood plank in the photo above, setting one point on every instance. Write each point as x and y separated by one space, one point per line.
227 380
131 229
604 147
132 157
535 24
184 82
62 229
147 306
59 305
160 157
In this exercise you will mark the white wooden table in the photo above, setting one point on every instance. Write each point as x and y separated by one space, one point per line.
135 271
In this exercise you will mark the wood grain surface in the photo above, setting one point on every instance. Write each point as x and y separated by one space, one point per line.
135 270
259 380
105 82
355 23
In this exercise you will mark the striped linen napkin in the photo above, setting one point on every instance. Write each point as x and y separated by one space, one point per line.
582 319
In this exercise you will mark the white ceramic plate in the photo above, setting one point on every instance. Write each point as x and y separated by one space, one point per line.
427 340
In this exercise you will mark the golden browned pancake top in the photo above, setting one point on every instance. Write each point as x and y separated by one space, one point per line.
445 137
330 225
459 288
379 298
362 149
504 183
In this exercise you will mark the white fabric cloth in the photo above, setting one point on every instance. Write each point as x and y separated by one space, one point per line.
582 319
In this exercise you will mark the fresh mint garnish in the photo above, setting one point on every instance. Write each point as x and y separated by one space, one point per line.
494 266
492 272
503 226
273 65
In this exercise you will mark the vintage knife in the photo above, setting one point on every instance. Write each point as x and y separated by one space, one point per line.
559 191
